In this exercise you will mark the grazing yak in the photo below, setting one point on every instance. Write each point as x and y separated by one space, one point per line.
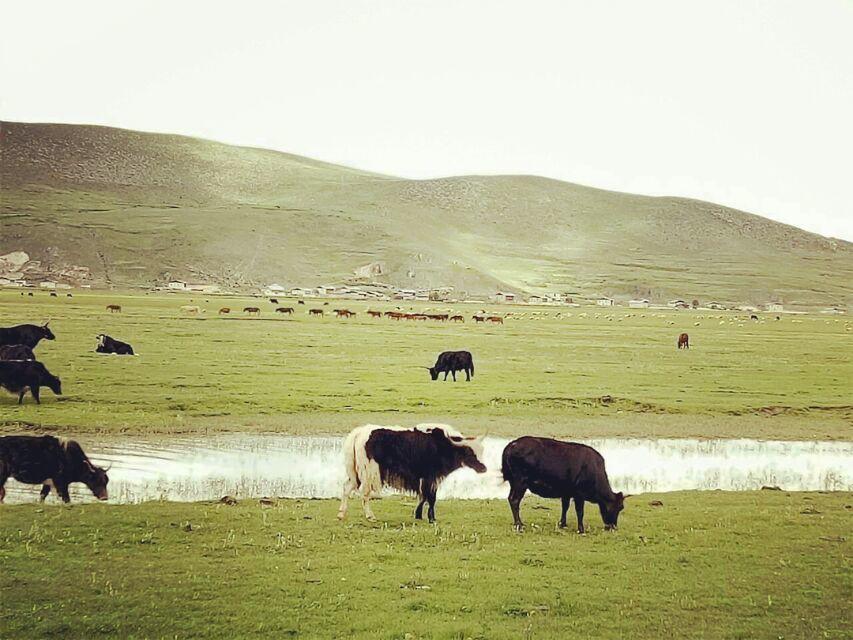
451 362
683 341
555 469
114 308
50 462
28 335
17 376
106 344
252 310
286 310
315 312
224 311
16 352
413 460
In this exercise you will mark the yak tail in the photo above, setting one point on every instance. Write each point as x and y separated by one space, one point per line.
350 467
472 368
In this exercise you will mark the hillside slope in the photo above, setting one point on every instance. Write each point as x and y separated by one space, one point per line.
137 208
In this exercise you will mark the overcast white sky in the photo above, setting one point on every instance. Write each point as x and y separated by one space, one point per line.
740 102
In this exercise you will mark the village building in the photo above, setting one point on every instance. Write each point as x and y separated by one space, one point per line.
504 296
638 304
678 304
604 302
775 307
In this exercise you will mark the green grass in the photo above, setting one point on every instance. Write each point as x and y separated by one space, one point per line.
786 379
704 565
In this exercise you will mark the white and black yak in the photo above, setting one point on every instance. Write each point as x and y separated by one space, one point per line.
413 460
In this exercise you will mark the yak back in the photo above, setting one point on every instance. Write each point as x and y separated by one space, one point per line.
406 457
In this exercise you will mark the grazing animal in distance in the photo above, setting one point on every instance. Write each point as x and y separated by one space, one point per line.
106 344
300 302
451 362
495 319
683 341
19 376
315 312
30 294
273 300
190 308
114 308
252 311
476 318
26 334
53 294
16 352
753 317
68 295
556 469
224 311
412 460
286 310
457 319
344 313
374 314
50 462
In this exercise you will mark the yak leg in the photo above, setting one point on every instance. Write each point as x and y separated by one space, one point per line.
445 375
565 507
419 510
579 512
516 493
368 512
429 493
454 375
467 375
45 491
349 487
62 491
35 392
3 478
21 396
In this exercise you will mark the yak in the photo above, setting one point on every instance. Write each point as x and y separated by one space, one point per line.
683 341
413 460
17 376
555 469
16 352
50 462
451 362
26 334
106 344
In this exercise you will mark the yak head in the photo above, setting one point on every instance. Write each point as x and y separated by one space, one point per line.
96 479
610 509
469 449
433 373
46 333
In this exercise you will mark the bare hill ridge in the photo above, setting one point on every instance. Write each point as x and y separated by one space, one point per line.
136 208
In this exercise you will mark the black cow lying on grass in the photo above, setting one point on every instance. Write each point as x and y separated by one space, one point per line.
555 469
451 362
50 462
106 344
16 352
18 376
25 334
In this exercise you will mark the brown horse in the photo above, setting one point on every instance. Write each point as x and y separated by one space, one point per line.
114 308
315 312
374 314
683 341
495 319
252 311
224 310
287 310
457 319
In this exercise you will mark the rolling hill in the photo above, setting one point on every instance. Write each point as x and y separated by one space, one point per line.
139 208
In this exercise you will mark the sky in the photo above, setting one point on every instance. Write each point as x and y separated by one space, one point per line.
740 102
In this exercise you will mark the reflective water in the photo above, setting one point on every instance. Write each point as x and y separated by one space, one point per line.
208 467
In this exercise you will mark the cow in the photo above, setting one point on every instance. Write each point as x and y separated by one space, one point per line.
451 362
683 341
495 319
190 308
412 460
224 311
16 352
113 308
18 376
315 312
273 300
50 462
457 319
555 469
106 344
26 334
286 310
252 311
374 314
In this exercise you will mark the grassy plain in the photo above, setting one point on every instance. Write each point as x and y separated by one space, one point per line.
711 565
591 372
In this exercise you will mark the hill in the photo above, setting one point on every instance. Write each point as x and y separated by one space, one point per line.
139 208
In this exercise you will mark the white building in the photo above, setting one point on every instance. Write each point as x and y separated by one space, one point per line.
774 307
275 290
639 304
47 284
177 285
604 302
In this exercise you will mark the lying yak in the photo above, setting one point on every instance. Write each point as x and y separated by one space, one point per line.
18 376
50 462
413 460
106 344
26 334
451 362
16 352
556 469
